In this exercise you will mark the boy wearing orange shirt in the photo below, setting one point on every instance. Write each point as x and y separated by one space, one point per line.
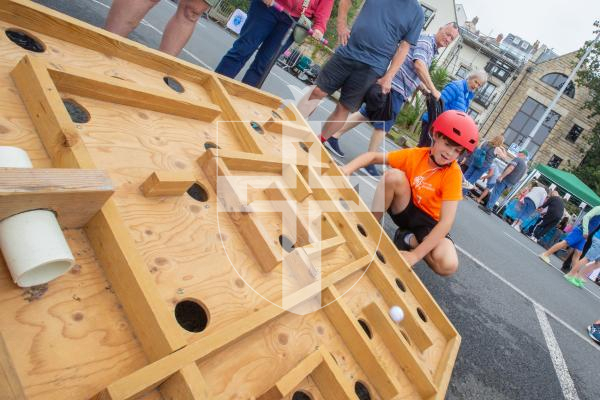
422 190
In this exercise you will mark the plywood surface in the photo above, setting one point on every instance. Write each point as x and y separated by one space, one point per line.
118 310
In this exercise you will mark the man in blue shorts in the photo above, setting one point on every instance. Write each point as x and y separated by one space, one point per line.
413 73
580 270
577 238
372 52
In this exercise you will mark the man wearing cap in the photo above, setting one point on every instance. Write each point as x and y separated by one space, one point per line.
511 175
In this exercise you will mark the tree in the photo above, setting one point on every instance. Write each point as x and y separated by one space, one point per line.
589 76
331 33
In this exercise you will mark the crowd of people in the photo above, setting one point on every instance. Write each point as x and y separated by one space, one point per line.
379 63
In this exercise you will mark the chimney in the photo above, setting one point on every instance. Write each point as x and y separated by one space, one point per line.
536 45
499 38
475 20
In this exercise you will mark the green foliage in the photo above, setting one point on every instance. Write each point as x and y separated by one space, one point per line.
439 75
331 33
410 113
243 5
589 76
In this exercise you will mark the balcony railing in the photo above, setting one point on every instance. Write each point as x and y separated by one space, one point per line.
484 100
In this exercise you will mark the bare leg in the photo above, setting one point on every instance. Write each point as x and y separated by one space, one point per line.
393 191
353 121
125 15
336 120
558 246
583 274
483 194
181 26
443 259
309 103
576 266
376 139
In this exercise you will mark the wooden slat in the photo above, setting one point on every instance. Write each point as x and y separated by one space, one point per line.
75 195
167 183
230 116
10 386
287 383
330 379
290 129
247 92
296 183
358 343
155 328
242 161
45 107
113 90
443 372
401 350
282 203
185 384
412 323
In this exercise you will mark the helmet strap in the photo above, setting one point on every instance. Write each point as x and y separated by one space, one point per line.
432 158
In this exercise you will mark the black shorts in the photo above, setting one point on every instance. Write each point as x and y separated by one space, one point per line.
353 77
415 220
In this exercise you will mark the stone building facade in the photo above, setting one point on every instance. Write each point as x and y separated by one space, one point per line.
561 139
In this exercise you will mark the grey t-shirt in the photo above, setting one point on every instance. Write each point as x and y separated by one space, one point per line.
517 173
379 28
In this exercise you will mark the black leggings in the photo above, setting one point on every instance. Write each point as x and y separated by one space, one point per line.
544 227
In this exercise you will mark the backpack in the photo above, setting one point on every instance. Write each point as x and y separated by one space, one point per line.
479 156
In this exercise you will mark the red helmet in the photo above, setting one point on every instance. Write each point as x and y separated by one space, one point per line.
458 127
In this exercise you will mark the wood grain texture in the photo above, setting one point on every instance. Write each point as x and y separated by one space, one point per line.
74 195
10 386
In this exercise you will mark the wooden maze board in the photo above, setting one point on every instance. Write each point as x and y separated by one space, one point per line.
195 195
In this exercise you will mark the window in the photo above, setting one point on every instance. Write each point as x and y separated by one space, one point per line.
574 133
525 120
485 94
462 72
554 161
524 45
472 113
516 40
557 80
428 13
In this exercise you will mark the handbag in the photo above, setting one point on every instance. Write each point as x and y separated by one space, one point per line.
378 104
303 25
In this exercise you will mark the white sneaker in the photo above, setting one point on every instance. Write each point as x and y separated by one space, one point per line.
544 258
517 228
533 239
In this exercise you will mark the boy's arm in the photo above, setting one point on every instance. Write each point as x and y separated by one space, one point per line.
363 160
441 229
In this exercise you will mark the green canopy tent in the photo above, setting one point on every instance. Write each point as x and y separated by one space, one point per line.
565 180
571 184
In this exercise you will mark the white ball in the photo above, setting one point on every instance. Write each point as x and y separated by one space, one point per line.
396 313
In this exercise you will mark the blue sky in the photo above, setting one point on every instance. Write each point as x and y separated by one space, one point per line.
563 25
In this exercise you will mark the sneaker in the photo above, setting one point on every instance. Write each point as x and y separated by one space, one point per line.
332 145
399 240
485 209
544 258
580 281
517 228
573 281
371 171
594 332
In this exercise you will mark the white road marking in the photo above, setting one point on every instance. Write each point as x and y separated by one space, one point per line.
523 294
551 265
560 366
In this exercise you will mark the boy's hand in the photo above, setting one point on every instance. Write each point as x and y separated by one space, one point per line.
410 257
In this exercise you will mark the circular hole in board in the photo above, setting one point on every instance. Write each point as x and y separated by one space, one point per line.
303 146
276 114
400 285
422 314
405 336
366 328
380 256
76 111
173 84
25 40
362 391
257 128
210 145
191 315
198 192
301 395
286 243
361 229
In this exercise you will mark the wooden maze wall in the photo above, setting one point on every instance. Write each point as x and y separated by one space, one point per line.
154 307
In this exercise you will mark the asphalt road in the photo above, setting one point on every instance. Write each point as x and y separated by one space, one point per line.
522 325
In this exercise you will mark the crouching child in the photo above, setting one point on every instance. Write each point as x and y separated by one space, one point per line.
421 191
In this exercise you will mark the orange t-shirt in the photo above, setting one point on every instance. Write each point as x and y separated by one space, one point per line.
429 186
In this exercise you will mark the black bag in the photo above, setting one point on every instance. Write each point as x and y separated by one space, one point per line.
378 104
434 109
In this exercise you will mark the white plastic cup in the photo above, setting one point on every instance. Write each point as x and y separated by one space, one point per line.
34 248
32 242
14 157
